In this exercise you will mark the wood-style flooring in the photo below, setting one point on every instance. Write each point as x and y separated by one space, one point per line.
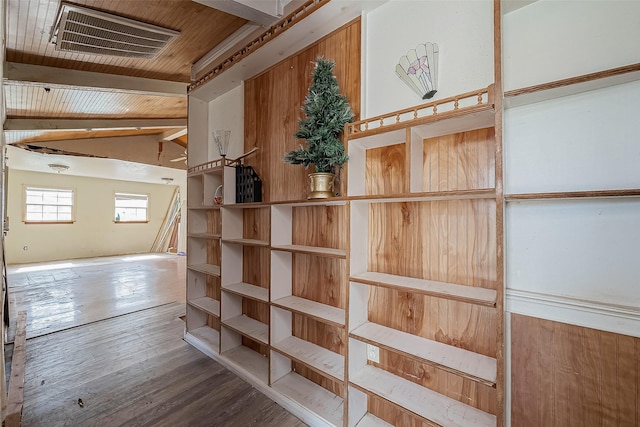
130 369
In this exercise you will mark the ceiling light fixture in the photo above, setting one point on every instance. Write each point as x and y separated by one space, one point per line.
58 167
167 180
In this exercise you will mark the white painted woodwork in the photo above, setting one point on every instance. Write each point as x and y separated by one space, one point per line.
263 12
248 290
195 192
198 131
322 312
358 296
232 258
313 397
77 79
93 124
252 362
207 236
211 180
318 358
603 38
583 249
416 168
312 28
311 250
457 360
357 407
590 314
473 294
281 277
359 236
207 304
248 327
574 143
212 270
247 242
232 220
281 328
372 421
231 306
281 225
205 339
421 401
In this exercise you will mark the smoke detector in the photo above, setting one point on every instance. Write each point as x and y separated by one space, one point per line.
82 30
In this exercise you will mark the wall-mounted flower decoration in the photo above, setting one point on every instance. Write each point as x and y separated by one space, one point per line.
419 69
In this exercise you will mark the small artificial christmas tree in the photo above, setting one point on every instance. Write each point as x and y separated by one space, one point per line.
326 111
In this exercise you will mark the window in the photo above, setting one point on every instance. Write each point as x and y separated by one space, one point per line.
131 207
48 205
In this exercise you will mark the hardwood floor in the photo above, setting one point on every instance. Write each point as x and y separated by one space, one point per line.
133 369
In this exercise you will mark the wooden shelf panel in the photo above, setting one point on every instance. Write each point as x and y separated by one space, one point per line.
207 337
204 207
335 201
419 400
457 360
313 397
210 269
204 235
248 291
257 205
249 327
207 304
322 312
312 250
469 294
247 242
370 420
485 193
318 358
249 360
632 192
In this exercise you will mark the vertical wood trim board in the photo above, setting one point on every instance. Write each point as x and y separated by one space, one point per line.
566 375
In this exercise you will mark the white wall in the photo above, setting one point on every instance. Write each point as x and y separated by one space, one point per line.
227 112
552 40
463 31
94 232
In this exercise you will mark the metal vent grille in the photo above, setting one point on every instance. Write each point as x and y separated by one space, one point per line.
82 30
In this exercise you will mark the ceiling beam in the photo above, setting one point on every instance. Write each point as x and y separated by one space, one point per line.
91 124
16 73
173 134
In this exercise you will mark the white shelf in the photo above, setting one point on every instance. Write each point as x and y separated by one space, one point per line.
204 235
313 397
212 270
205 339
319 202
312 250
470 294
204 207
318 358
323 312
252 362
246 242
207 304
249 291
372 421
459 361
249 327
421 401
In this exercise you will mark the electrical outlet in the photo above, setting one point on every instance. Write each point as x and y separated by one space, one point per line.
373 353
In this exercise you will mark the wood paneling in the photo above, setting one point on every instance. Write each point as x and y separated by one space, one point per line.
459 324
386 169
214 222
327 336
461 161
201 28
213 252
393 415
449 241
320 279
256 224
256 266
213 287
324 226
259 311
272 109
566 375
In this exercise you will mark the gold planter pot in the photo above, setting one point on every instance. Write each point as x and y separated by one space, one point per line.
321 185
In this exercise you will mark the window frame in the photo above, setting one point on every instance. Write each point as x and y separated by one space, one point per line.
135 195
25 204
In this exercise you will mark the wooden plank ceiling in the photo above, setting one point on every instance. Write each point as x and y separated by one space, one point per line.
97 107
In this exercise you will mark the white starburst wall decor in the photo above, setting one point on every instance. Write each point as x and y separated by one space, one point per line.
419 69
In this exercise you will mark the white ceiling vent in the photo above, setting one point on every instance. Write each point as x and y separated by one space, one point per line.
82 30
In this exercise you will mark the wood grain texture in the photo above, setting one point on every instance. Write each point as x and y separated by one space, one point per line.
460 161
214 221
565 375
320 279
214 252
333 386
468 326
448 241
256 224
256 266
394 415
137 370
15 390
272 109
386 170
322 226
213 287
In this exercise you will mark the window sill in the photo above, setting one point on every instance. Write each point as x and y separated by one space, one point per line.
48 222
130 222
